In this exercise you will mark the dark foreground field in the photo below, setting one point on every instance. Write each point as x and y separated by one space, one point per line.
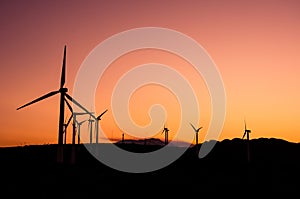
275 168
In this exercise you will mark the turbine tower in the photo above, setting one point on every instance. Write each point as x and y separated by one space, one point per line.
196 131
246 133
90 127
65 131
66 124
166 131
63 95
97 124
78 130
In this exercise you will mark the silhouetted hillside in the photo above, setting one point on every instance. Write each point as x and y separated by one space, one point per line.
274 167
149 141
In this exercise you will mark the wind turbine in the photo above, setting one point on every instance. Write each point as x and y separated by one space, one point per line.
90 127
97 124
246 133
74 114
78 131
196 131
63 94
65 131
166 131
66 124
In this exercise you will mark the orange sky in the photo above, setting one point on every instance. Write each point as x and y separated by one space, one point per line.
255 45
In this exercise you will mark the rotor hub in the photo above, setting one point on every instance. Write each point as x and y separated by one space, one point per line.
63 90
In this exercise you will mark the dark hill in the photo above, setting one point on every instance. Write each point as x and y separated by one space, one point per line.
274 167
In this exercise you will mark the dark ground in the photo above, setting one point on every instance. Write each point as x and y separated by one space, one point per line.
274 168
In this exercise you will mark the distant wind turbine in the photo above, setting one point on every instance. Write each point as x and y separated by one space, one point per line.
246 133
166 131
196 131
90 127
74 114
97 124
63 94
66 124
78 130
65 131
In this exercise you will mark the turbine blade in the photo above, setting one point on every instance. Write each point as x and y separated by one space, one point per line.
244 135
199 129
39 99
79 123
79 105
69 120
69 106
193 127
99 117
63 70
245 124
77 113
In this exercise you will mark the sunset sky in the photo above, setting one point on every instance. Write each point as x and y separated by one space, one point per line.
254 44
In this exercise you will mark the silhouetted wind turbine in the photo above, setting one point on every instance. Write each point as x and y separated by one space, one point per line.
63 93
74 121
78 131
97 124
65 131
166 131
246 133
196 131
90 127
66 124
74 114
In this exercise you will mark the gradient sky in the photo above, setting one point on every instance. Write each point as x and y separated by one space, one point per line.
255 44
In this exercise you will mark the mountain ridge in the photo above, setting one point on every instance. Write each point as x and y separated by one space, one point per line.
274 167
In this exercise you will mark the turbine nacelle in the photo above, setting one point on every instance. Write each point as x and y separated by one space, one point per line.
63 90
